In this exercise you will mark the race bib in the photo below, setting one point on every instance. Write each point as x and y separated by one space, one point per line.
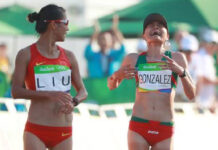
52 78
153 78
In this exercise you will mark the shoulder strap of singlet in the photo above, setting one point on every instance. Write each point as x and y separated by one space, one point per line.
141 59
63 54
167 53
33 50
174 76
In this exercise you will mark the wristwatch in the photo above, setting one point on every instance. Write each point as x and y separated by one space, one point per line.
183 74
75 101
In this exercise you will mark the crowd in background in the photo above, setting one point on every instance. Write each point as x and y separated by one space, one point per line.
111 51
5 75
201 51
201 55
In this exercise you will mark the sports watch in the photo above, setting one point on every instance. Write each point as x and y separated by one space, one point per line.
183 74
75 101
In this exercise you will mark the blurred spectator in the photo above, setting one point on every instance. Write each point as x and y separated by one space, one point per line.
107 60
216 58
8 89
207 76
175 42
5 90
142 46
4 85
117 36
4 61
188 45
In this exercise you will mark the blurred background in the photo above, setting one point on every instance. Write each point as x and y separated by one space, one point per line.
193 27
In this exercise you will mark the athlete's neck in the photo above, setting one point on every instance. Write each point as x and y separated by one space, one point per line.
155 51
46 44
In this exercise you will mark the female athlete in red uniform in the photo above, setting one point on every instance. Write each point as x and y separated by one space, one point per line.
156 74
48 72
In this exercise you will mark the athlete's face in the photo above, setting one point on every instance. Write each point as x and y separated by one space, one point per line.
61 29
155 32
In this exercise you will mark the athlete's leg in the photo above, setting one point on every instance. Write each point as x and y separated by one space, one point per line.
64 145
164 145
136 141
32 142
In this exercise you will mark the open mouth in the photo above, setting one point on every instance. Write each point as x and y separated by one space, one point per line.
155 33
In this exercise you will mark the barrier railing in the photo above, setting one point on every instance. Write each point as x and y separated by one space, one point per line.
97 127
105 111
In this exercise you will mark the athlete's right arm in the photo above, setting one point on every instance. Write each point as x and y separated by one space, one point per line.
126 71
18 87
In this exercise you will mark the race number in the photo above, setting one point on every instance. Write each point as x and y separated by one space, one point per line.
152 77
52 78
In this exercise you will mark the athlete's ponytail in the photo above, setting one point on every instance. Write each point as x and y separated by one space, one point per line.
49 12
33 17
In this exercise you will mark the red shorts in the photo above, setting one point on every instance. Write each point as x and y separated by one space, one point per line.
152 131
50 136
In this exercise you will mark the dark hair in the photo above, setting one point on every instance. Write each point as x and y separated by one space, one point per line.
49 12
154 17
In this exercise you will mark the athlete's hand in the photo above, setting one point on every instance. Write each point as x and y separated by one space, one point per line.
126 72
67 108
64 101
173 65
60 97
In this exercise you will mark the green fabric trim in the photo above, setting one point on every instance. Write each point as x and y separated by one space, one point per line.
133 118
169 54
176 78
137 119
44 69
141 60
150 66
167 123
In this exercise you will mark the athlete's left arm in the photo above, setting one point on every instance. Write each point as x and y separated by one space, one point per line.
76 78
178 64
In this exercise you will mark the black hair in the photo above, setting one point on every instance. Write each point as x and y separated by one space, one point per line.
49 12
154 17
